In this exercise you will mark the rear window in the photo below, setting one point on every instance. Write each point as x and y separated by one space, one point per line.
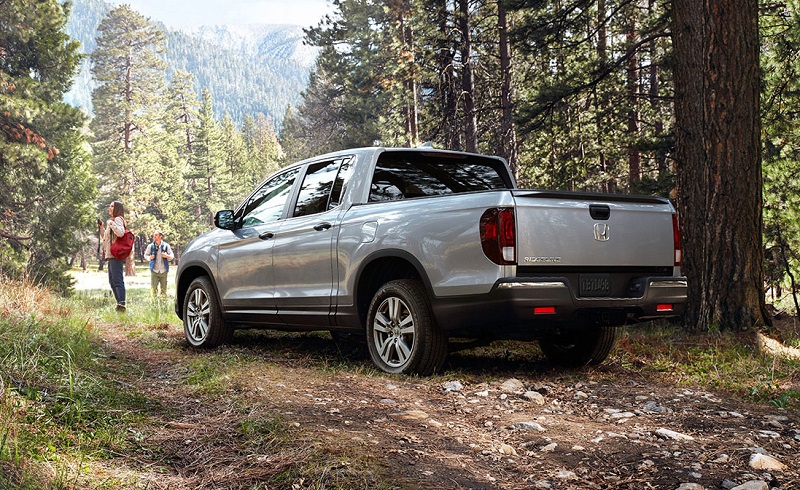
405 175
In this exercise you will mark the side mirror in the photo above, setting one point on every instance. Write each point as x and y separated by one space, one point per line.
224 219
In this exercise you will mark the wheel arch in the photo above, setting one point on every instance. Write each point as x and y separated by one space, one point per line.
382 267
188 274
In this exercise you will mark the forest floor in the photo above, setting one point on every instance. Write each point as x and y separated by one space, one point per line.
667 410
301 411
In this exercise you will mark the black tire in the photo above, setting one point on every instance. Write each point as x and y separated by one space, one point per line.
579 347
402 334
203 323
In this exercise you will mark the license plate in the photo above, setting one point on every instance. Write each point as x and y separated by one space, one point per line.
595 285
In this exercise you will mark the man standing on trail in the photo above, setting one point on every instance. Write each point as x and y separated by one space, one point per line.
160 254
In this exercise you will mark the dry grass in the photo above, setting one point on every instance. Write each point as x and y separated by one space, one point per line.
24 299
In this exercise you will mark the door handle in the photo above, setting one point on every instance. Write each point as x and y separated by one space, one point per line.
266 235
322 226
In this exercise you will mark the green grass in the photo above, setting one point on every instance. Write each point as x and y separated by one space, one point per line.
725 361
66 408
59 407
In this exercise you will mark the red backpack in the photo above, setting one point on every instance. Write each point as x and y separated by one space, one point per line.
123 245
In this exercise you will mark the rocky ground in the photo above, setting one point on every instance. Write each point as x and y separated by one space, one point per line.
486 422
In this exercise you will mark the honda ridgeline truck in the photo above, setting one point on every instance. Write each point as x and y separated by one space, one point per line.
410 248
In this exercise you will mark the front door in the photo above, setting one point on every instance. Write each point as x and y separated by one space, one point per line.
244 266
303 252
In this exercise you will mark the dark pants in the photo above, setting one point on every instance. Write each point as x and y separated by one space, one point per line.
116 272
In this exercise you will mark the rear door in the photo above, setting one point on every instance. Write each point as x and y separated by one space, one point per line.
302 254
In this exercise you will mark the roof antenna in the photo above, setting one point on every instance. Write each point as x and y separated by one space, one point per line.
427 144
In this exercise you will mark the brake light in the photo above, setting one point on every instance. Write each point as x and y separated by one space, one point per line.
676 239
499 235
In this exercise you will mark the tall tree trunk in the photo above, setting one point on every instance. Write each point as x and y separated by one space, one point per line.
654 83
601 100
447 80
412 110
508 134
467 79
718 161
401 13
634 157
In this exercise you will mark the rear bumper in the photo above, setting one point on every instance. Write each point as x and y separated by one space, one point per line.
524 304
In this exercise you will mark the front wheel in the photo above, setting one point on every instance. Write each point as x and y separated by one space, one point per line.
203 324
579 347
402 334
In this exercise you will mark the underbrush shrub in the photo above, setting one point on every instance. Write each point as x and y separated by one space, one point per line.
58 400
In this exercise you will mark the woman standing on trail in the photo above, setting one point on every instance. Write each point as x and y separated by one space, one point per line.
114 228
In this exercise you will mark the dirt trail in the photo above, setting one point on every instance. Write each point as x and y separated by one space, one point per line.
484 423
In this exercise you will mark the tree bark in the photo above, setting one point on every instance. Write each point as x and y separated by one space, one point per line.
467 79
508 134
718 161
601 100
447 84
634 157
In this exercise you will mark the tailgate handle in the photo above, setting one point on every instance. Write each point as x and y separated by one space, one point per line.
599 211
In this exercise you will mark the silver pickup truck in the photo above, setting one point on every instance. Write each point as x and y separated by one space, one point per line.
409 248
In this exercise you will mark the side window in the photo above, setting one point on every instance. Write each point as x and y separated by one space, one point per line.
401 175
322 187
340 184
267 203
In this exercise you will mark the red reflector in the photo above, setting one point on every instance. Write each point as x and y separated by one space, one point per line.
664 307
544 310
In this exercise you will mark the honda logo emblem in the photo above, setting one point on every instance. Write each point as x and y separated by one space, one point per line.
601 231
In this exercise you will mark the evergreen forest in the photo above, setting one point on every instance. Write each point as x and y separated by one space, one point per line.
582 95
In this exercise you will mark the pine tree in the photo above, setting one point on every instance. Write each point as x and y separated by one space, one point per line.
181 109
719 161
348 99
45 186
237 161
208 180
780 35
130 73
292 138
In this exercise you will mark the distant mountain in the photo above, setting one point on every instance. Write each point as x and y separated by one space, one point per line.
279 41
248 69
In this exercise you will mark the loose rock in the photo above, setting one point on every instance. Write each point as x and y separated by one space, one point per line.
506 449
753 485
535 397
532 426
765 462
410 415
453 386
671 434
550 447
512 385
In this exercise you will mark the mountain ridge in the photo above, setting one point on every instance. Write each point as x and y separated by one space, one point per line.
248 68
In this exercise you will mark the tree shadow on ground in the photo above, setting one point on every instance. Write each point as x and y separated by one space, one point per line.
500 358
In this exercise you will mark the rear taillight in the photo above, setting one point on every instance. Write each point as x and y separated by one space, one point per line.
676 238
499 235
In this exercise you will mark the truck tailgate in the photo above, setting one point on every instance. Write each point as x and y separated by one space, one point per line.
564 229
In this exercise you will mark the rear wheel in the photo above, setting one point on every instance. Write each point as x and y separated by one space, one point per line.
579 347
402 334
203 324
